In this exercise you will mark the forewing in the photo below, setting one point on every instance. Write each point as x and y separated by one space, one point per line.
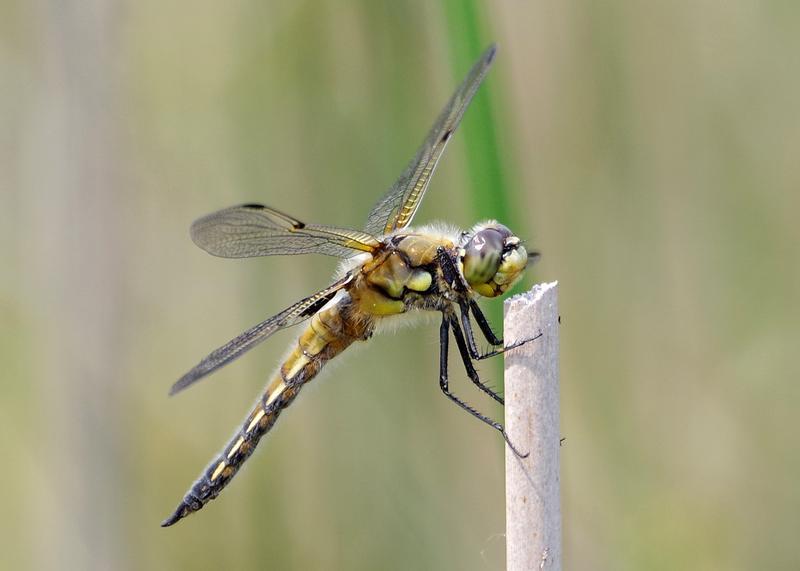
256 230
298 312
398 206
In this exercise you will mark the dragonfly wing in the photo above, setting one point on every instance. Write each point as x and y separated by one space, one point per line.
398 206
256 230
233 349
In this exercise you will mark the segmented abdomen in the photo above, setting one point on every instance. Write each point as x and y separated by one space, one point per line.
327 335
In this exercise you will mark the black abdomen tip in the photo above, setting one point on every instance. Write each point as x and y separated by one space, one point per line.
180 513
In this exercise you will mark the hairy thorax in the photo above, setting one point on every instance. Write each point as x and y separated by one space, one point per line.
403 275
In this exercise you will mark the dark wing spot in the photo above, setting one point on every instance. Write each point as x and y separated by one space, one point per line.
491 54
317 305
446 135
254 206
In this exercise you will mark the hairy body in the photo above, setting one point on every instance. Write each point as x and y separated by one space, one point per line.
389 270
402 275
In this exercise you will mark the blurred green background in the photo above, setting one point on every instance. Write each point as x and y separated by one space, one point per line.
649 150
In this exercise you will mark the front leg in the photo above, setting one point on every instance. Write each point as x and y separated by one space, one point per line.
483 323
486 329
450 272
455 280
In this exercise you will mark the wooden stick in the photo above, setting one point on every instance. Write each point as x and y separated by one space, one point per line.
533 506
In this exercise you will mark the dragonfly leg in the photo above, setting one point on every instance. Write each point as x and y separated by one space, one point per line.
483 323
486 329
444 384
465 353
454 278
450 271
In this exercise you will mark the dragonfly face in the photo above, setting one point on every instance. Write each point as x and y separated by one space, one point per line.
493 259
388 269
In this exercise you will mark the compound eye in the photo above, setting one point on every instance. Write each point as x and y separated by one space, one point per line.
482 256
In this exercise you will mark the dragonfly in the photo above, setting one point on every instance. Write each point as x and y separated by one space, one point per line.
388 269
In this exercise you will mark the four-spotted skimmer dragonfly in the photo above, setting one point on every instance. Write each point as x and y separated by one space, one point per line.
388 269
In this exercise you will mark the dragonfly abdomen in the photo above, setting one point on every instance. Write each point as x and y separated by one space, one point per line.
327 335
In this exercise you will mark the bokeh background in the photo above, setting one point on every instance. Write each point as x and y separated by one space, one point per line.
649 150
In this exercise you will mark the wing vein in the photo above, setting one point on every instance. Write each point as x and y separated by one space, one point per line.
397 207
234 348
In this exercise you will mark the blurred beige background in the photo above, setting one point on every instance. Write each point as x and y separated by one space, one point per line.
649 150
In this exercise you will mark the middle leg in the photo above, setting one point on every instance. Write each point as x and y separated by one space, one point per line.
444 384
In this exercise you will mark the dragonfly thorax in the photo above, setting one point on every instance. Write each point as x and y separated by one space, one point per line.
492 258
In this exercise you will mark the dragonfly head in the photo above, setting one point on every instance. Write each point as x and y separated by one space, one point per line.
493 258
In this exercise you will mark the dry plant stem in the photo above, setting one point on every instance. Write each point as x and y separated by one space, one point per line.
533 506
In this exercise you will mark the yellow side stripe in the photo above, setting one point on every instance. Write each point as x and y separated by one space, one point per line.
217 471
236 447
259 415
276 393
